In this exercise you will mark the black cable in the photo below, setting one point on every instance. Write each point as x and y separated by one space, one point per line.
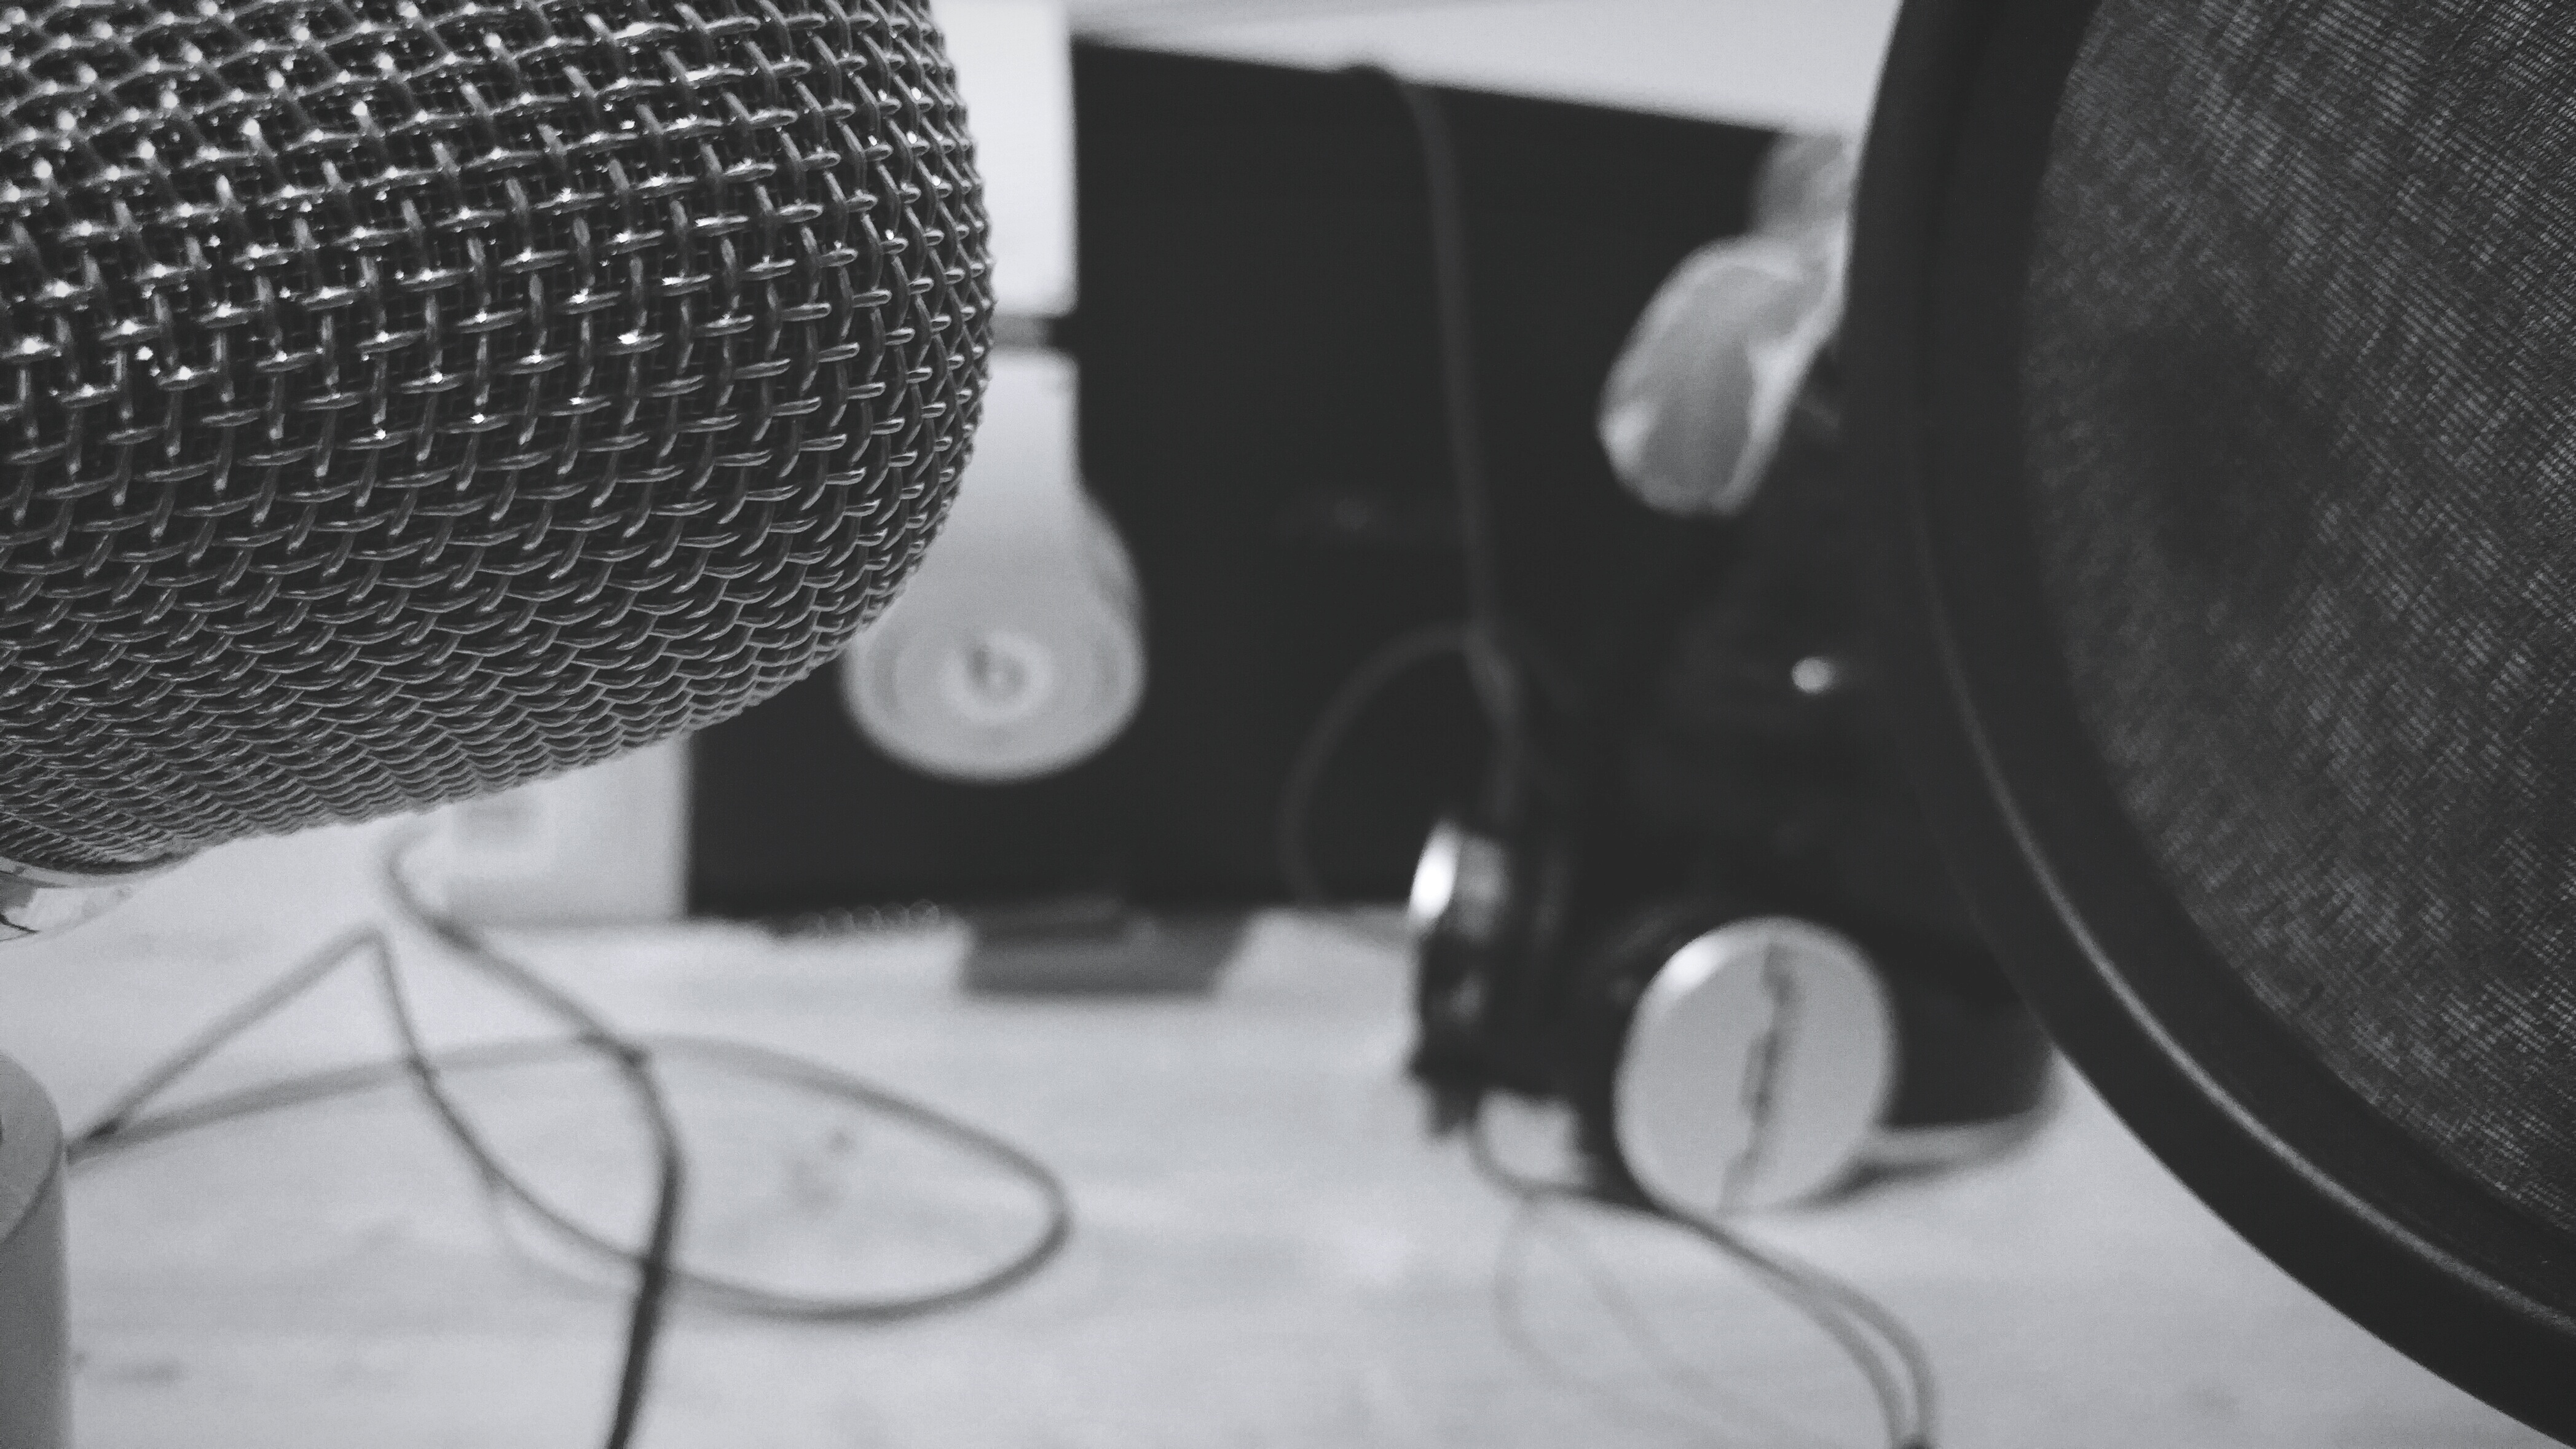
120 1127
734 1058
797 1073
1388 663
1857 1324
1520 1334
1908 1427
117 1120
1498 662
759 1063
1378 671
1530 1217
670 1159
1494 669
656 1265
1444 196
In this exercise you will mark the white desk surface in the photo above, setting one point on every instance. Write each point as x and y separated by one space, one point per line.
1268 1253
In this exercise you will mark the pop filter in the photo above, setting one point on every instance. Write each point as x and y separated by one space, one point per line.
2212 362
401 399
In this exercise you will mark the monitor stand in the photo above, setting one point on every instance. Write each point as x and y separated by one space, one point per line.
35 1348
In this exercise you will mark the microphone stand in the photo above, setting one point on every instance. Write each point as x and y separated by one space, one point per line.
35 1335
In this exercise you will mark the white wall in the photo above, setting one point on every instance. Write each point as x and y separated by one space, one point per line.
1810 64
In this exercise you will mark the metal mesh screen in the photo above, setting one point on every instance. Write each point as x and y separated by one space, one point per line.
398 400
2301 354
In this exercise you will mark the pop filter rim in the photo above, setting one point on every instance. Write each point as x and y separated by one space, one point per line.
2296 1162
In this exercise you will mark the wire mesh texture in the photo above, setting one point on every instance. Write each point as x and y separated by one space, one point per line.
2300 348
400 399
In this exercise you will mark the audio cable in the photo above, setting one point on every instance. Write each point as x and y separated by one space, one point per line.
1879 1345
1508 671
656 1266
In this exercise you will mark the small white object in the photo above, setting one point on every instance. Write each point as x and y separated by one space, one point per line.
1017 649
1816 675
1463 880
1757 1069
607 845
1696 404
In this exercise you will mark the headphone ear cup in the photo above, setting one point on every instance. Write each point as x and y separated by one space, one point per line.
1613 977
1486 911
1723 1061
1017 649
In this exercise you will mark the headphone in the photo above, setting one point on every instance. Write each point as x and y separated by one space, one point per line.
1721 1050
1017 650
1802 1003
1727 942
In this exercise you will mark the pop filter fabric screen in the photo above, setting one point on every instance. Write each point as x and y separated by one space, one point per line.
2215 360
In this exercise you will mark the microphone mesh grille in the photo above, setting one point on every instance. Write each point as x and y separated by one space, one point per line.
400 399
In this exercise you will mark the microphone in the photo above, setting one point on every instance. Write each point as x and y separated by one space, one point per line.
404 399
